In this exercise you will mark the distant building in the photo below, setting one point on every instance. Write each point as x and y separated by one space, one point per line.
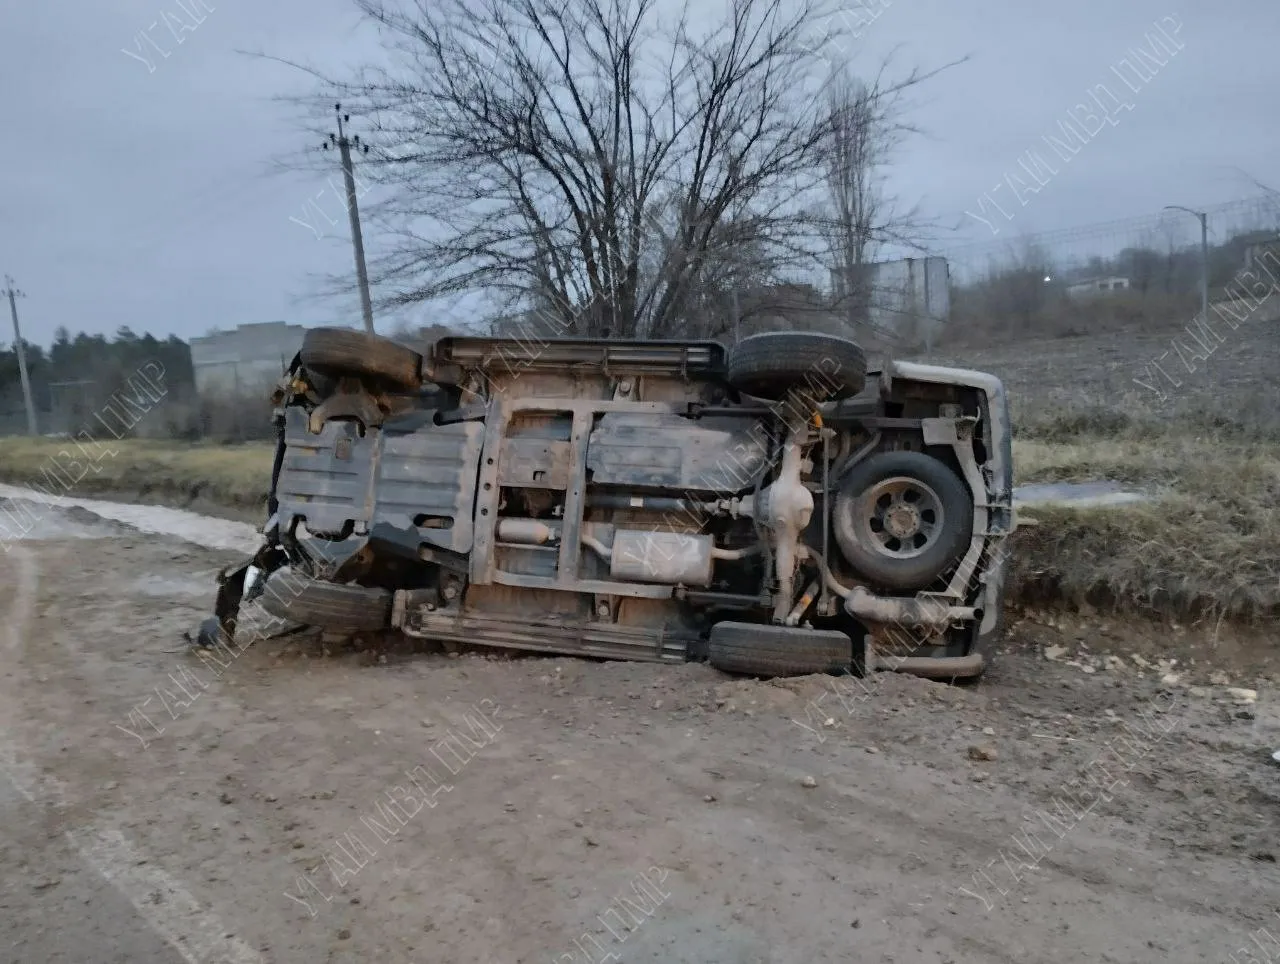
1094 287
1262 257
911 298
246 359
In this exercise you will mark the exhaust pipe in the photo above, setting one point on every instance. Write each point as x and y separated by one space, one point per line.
871 608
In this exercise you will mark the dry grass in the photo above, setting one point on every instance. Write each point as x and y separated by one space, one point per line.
1207 447
1208 545
1247 416
979 317
143 469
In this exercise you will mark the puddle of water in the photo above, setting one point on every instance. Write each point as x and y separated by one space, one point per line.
1084 494
61 527
155 520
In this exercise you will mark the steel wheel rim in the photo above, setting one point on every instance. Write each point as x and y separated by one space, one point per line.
899 518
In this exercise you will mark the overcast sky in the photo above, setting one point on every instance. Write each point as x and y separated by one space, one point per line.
139 193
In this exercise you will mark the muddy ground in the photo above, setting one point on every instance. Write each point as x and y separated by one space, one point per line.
314 802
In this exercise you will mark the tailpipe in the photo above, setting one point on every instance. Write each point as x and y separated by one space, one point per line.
916 611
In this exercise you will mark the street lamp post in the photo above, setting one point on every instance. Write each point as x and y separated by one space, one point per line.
1204 257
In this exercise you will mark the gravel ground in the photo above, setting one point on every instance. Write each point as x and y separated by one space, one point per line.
317 802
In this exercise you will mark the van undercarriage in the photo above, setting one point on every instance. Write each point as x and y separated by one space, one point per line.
773 507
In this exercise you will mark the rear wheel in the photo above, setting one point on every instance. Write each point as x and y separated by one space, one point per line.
758 649
336 352
771 364
328 605
902 519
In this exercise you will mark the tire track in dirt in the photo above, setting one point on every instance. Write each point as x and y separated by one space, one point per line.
193 930
601 771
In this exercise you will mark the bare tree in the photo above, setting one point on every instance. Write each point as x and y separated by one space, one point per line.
600 158
1014 294
851 174
1173 234
867 126
851 179
1141 262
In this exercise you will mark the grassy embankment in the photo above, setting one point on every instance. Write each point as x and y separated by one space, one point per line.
1207 545
145 470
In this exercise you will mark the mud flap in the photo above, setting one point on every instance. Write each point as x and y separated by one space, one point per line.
231 589
226 605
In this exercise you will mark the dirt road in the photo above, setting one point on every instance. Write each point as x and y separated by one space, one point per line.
299 804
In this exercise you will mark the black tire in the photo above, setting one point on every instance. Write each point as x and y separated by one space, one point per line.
771 364
758 649
211 633
328 605
873 555
342 351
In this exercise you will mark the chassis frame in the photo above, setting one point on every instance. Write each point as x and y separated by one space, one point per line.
942 632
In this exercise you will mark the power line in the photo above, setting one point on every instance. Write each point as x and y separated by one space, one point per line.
207 199
1261 205
200 215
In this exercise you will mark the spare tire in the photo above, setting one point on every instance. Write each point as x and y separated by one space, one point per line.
760 649
329 605
902 519
771 364
343 351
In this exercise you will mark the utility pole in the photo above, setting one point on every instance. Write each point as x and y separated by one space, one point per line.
928 312
344 146
1204 257
22 355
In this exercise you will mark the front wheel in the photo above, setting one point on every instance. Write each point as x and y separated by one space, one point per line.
328 605
336 352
